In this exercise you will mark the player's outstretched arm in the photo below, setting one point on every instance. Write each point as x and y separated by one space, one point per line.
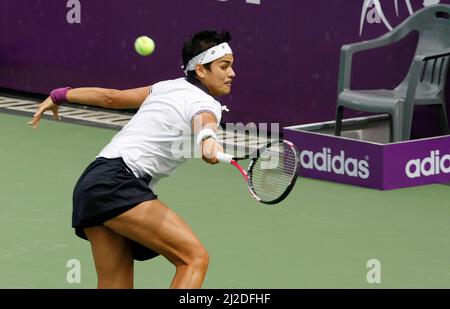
107 98
205 126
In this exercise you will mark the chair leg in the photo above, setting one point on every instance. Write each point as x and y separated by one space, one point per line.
406 123
397 129
391 129
443 120
401 122
338 127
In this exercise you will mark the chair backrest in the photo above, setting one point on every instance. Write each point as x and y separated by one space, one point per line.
433 27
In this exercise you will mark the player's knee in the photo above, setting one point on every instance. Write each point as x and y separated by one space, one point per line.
199 259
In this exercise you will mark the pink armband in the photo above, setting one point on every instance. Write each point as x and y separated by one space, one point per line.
59 95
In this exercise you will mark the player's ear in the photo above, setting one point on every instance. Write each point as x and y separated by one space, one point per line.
200 70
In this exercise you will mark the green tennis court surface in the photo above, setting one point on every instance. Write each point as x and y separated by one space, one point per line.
321 236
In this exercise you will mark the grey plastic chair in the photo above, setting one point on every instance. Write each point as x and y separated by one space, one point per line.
423 85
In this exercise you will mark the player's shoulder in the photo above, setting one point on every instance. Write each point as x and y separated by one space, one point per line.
174 84
182 87
165 83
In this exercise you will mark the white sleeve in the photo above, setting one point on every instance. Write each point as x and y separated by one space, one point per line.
213 108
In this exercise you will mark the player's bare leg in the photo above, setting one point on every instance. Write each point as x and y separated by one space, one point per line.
156 226
112 258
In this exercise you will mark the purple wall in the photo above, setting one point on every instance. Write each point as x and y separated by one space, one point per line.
286 51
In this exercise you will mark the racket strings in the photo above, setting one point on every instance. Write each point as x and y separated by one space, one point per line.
273 171
270 185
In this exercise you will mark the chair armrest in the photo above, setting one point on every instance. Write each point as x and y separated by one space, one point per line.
347 51
384 40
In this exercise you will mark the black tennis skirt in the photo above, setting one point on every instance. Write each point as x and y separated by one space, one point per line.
106 189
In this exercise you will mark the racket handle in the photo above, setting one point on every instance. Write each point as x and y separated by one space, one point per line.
224 157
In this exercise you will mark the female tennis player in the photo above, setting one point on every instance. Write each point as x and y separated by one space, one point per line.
114 205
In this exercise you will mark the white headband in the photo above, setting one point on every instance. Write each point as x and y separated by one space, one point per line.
208 56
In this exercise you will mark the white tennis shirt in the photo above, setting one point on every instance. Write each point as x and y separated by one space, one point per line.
158 138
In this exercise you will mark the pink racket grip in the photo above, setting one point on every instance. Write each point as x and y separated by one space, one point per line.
224 157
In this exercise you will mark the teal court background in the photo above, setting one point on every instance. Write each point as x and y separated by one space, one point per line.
321 236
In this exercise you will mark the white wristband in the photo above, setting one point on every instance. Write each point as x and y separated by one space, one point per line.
203 134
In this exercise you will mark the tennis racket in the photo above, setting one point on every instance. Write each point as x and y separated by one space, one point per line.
272 172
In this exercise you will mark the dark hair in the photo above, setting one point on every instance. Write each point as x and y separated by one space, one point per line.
200 42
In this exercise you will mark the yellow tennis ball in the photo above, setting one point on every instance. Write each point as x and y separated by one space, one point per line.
144 45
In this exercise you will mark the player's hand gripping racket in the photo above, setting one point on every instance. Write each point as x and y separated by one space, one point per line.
272 172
